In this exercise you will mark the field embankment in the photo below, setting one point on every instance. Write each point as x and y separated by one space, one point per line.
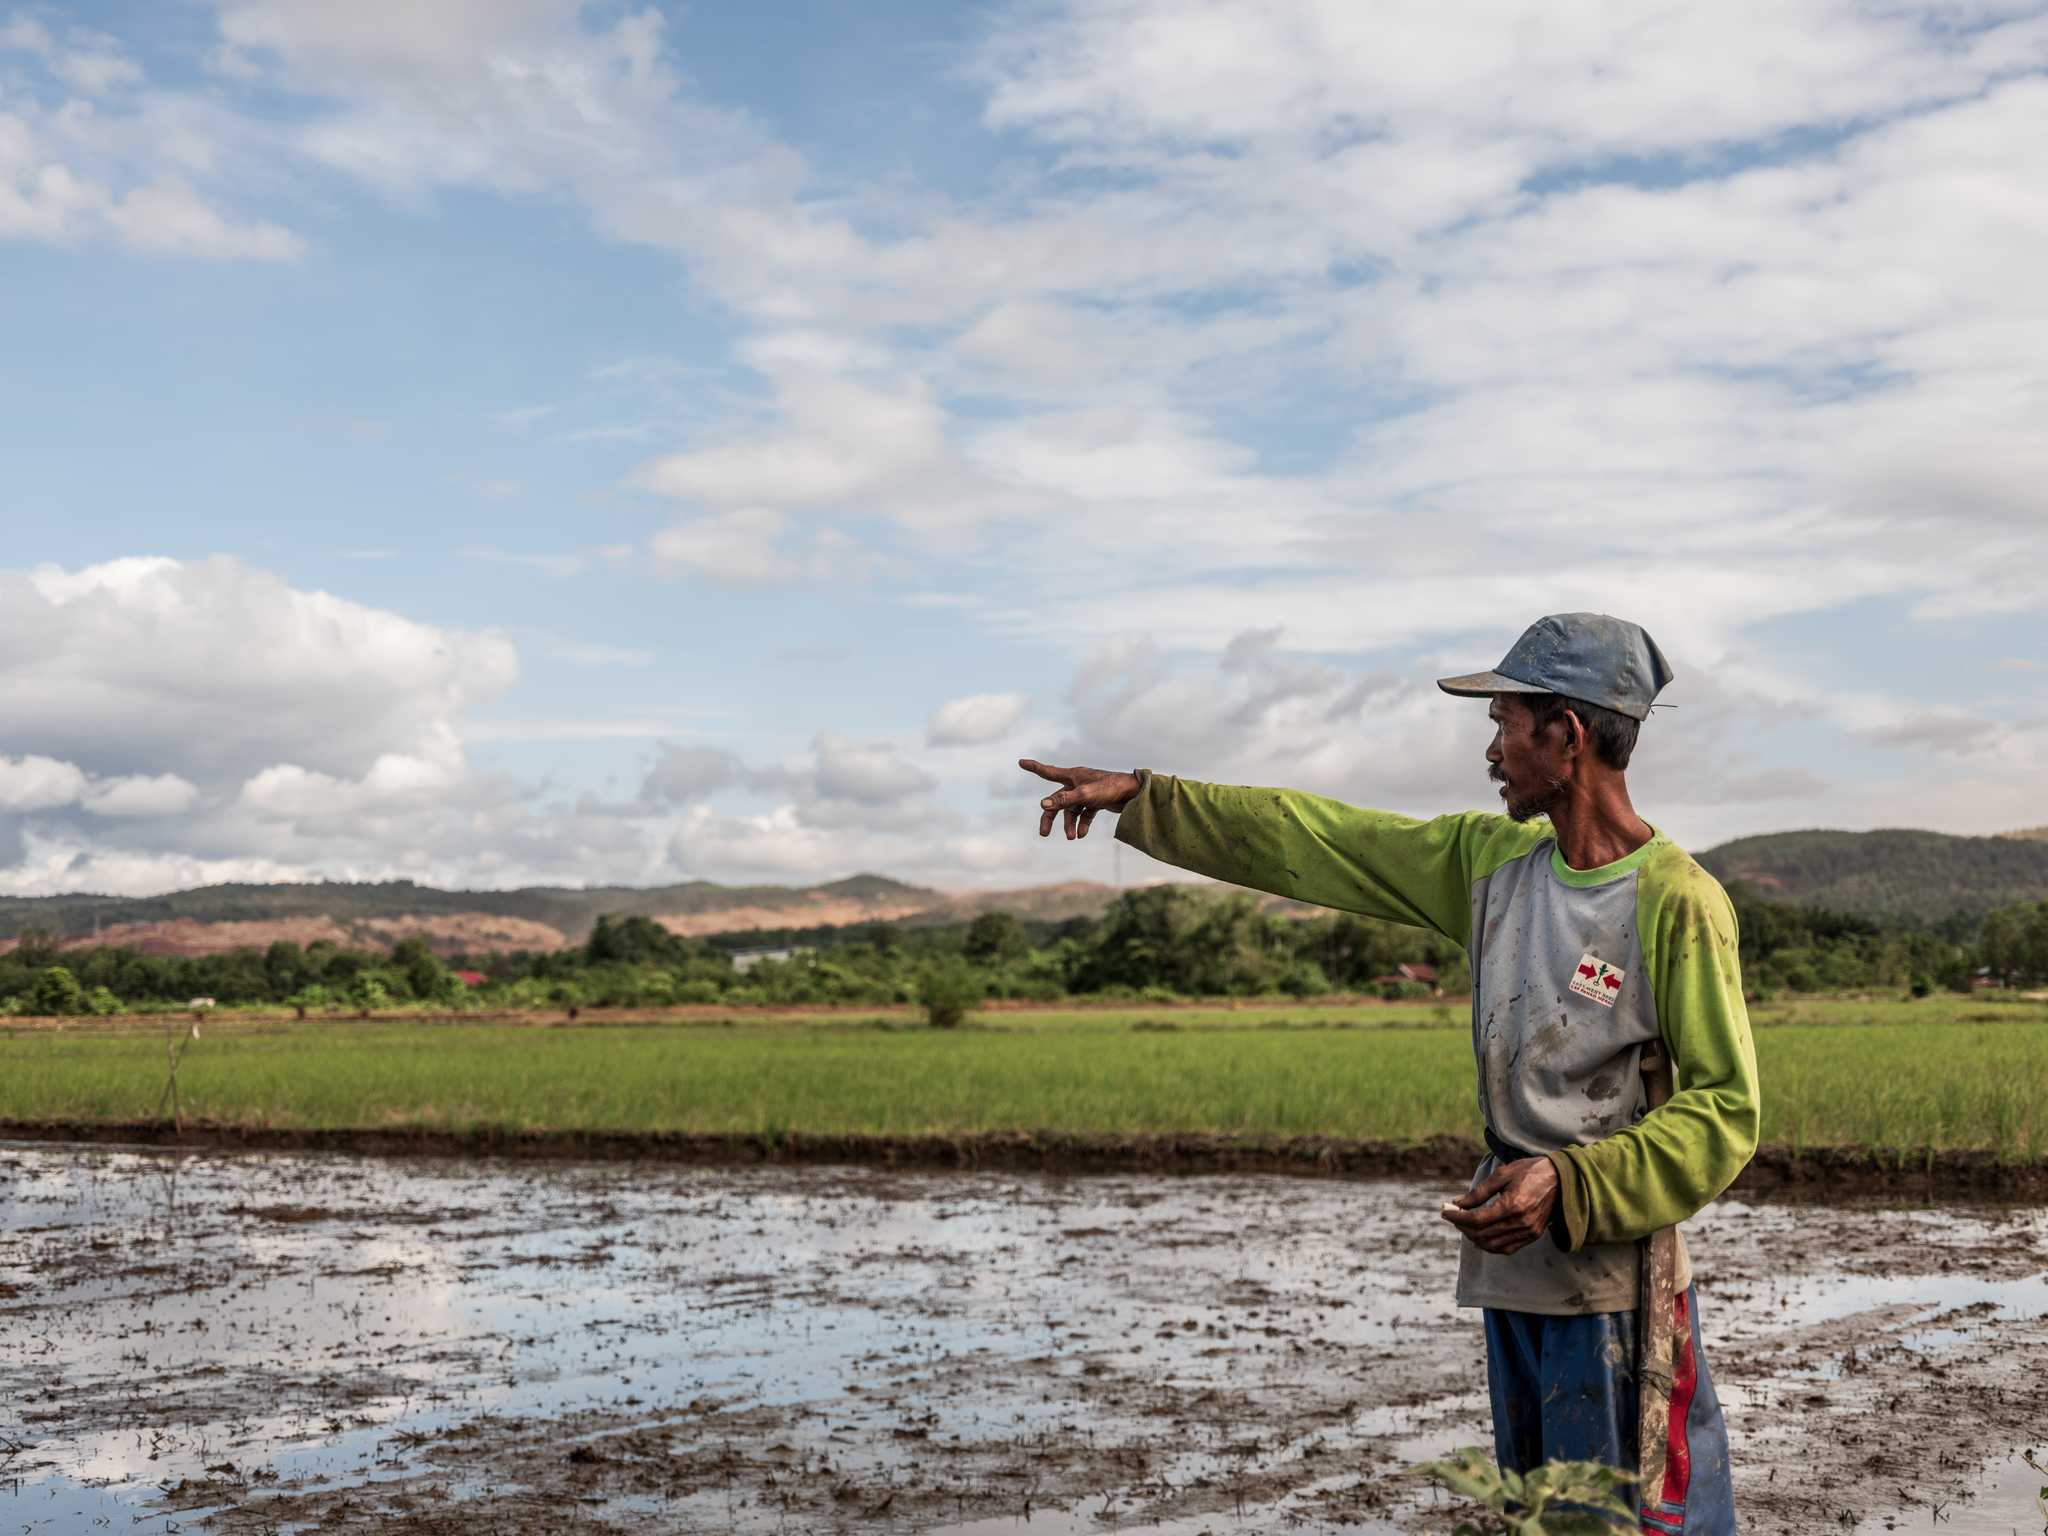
1952 1089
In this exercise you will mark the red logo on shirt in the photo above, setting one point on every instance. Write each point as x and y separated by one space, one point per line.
1595 978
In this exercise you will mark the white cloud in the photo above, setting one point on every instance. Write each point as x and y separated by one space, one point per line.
1256 715
974 719
56 867
288 792
1110 454
38 783
181 714
515 98
871 774
168 217
754 546
24 34
213 670
90 62
844 779
1150 71
841 437
74 170
1949 731
159 794
683 775
96 67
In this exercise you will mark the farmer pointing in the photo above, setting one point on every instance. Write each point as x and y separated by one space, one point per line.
1593 938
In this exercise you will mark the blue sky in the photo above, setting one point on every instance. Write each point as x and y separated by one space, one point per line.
514 441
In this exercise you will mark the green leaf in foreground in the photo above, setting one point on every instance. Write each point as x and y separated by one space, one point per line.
1561 1498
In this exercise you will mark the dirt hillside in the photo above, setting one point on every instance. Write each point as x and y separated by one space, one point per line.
515 920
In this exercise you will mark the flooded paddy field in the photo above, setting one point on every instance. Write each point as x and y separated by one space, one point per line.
278 1342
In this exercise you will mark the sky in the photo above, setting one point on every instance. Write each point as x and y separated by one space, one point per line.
516 442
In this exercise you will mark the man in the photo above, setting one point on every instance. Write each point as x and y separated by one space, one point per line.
1592 937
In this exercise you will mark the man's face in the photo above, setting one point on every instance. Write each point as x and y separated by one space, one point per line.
1527 765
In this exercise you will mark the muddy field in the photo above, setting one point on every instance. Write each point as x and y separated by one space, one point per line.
255 1343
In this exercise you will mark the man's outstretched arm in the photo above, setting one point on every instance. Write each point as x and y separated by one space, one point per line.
1293 844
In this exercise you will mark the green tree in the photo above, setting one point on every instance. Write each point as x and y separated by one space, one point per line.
2014 943
310 998
425 976
56 993
284 967
35 948
948 990
367 993
1188 941
100 1002
633 941
994 938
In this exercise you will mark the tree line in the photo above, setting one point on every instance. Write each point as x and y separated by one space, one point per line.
1153 944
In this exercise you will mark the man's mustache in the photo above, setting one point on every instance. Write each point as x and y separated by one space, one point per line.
1495 772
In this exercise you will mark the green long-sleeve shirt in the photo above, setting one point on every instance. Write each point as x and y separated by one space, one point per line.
1574 972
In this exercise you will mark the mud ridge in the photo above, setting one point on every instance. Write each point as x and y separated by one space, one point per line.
1925 1173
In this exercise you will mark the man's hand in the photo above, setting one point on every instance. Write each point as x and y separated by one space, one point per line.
1087 791
1510 1208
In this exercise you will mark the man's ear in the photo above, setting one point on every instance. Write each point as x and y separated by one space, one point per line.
1574 733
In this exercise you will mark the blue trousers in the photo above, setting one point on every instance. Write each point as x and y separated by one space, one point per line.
1564 1389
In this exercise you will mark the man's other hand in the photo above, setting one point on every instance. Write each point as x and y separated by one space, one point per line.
1087 790
1510 1208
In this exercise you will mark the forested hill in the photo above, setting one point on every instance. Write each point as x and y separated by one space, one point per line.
1927 876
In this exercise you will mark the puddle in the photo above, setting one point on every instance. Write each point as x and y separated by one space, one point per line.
287 1342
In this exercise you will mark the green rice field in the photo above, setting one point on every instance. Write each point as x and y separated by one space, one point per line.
1941 1073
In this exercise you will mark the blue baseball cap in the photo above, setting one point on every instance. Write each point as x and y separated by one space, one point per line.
1593 657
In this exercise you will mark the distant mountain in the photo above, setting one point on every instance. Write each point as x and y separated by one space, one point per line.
1922 875
1900 873
218 918
215 918
1033 903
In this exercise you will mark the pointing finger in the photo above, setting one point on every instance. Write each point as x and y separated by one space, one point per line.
1044 770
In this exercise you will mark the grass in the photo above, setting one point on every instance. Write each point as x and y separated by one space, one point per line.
1938 1073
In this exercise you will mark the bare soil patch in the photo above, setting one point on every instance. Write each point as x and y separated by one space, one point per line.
320 1342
